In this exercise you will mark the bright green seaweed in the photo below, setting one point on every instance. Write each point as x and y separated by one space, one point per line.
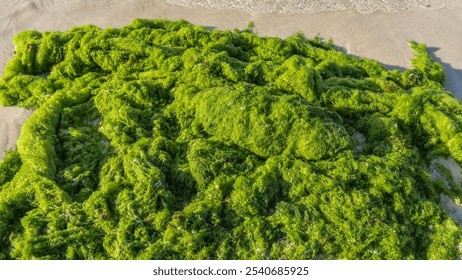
165 140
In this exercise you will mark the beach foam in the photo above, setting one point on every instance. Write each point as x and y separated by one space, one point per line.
314 6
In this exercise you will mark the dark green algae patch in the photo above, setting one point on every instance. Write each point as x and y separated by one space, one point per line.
165 140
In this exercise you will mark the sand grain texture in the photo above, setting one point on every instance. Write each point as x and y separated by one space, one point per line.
11 120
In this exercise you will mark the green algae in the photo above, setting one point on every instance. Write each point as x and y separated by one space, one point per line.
165 140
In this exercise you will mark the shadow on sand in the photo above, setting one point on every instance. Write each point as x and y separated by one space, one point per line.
453 75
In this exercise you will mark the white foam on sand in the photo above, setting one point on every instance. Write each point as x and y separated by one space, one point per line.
314 6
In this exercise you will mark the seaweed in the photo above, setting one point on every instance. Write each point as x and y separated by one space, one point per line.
166 140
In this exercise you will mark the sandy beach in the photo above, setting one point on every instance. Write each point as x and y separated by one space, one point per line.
363 29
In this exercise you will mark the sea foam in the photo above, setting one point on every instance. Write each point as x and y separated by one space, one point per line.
314 6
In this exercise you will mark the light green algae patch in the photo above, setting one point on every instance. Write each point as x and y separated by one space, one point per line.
165 140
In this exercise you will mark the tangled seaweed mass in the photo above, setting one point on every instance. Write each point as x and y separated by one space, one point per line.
165 140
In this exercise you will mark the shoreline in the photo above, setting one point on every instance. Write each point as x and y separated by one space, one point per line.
294 7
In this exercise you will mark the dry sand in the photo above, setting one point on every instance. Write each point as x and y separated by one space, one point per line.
11 120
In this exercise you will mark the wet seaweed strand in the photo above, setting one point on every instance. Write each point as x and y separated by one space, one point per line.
166 140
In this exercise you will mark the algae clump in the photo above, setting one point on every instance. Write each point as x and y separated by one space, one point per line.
165 140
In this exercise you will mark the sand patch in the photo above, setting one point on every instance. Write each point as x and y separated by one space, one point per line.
439 169
453 206
440 166
11 120
360 141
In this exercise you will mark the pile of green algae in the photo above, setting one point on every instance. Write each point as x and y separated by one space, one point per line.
165 140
